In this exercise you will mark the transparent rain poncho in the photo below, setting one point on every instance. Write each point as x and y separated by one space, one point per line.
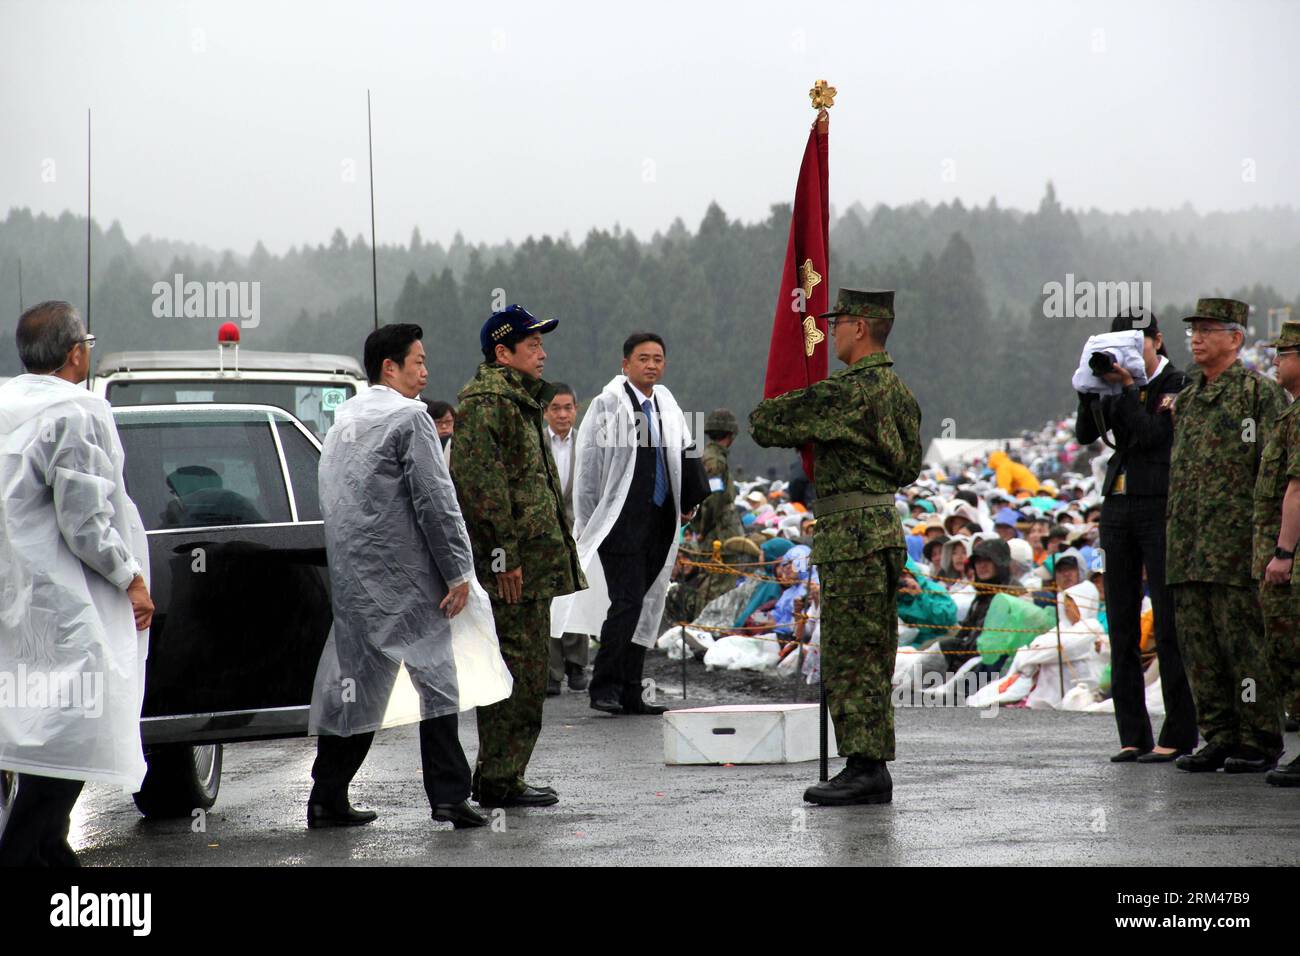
71 661
396 541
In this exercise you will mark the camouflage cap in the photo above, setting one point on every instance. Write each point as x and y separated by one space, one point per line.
1220 310
1288 339
863 303
722 420
742 547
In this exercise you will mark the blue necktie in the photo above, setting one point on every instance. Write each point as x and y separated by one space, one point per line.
661 473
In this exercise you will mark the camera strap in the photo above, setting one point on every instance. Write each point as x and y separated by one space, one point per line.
1100 423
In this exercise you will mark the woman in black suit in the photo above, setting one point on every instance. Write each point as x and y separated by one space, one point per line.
1133 538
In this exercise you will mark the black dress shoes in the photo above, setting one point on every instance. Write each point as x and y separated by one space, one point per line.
577 677
459 815
608 705
1287 775
1127 755
1206 760
1154 757
528 797
861 781
320 815
642 708
1249 760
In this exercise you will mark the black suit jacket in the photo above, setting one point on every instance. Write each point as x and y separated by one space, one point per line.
1142 421
640 523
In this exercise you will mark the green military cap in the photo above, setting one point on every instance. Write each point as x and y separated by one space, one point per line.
1220 310
863 304
1288 339
721 420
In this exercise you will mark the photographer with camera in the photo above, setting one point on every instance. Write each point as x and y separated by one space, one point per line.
1133 537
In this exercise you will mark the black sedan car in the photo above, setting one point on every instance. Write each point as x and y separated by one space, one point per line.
228 497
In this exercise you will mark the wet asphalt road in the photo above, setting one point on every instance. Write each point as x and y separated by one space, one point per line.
1022 787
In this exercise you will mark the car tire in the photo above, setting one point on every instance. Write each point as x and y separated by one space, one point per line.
181 779
8 790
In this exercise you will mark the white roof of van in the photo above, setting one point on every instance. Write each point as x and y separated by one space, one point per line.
249 361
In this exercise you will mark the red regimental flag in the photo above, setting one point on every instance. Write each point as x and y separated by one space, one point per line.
797 356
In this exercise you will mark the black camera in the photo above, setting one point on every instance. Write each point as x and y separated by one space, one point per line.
1101 363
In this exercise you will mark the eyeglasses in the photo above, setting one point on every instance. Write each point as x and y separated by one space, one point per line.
1196 330
88 341
834 319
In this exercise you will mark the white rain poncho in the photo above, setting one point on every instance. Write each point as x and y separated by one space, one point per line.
71 660
1124 347
604 461
396 541
1033 677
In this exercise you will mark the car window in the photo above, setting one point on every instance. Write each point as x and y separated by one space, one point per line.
185 474
311 403
303 460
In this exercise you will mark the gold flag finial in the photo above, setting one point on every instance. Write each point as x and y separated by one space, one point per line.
822 95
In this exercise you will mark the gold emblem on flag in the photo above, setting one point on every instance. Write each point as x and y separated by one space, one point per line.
822 95
808 279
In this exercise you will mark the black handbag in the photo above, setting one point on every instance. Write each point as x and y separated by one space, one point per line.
695 481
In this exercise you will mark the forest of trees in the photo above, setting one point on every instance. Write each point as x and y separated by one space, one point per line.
971 338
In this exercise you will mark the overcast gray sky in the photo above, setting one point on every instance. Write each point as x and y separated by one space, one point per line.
222 123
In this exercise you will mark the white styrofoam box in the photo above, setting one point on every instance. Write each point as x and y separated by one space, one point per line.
744 733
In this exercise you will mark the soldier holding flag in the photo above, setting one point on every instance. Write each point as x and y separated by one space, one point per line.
863 425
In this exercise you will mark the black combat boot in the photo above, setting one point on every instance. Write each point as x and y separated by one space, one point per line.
1206 760
1250 760
861 781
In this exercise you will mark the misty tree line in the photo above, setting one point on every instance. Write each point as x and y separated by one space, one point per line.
971 339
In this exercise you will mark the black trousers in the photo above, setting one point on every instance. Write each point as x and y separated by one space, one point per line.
446 772
617 670
1133 538
36 831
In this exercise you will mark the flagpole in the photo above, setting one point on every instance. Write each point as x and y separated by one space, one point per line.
822 95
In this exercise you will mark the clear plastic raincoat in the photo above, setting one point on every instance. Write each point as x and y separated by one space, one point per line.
396 542
71 660
604 461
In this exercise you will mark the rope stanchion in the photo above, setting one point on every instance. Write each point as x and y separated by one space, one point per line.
715 565
798 686
1060 665
824 719
683 635
980 587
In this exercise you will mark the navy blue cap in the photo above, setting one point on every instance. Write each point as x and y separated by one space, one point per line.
513 318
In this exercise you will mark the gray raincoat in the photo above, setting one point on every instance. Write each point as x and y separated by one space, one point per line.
396 542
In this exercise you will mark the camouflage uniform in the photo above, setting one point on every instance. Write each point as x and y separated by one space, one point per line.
717 519
865 428
1280 603
509 493
1219 432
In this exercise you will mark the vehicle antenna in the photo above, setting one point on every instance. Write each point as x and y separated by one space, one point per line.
374 260
91 371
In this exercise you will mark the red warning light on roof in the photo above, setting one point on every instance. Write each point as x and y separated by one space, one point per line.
228 334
